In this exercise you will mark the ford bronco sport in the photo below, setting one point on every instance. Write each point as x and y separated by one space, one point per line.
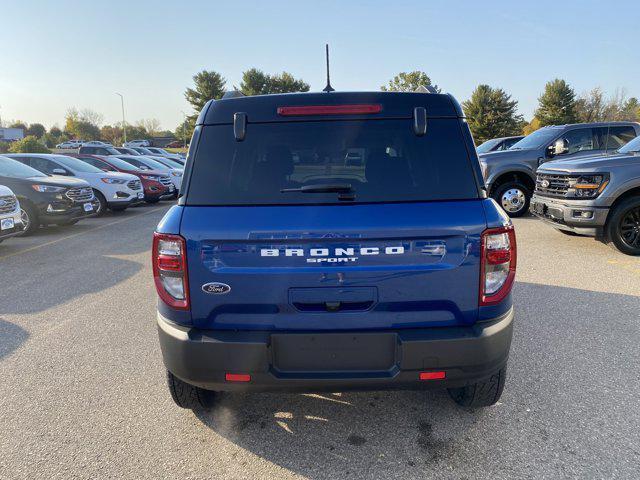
284 267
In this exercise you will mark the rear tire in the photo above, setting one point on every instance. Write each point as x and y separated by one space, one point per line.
513 197
623 227
188 396
481 394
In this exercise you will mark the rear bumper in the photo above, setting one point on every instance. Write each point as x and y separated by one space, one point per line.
565 214
466 354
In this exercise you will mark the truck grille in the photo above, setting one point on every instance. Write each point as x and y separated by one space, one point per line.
165 181
553 185
8 204
79 195
134 185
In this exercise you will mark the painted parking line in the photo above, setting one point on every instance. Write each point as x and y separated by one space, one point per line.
93 229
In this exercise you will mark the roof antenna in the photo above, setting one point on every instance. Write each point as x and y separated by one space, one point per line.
328 88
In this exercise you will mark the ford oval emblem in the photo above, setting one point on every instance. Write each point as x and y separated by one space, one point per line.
216 288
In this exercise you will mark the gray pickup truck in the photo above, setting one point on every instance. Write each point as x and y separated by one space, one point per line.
510 175
594 196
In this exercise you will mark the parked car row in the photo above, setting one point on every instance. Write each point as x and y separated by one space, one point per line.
50 189
583 179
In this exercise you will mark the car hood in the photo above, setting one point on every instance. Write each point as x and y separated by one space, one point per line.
505 156
592 164
5 191
118 175
157 173
59 181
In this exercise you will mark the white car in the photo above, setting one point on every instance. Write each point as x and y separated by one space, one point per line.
70 144
10 219
96 143
136 143
147 163
113 190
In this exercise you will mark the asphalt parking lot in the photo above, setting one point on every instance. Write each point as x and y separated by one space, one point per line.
83 393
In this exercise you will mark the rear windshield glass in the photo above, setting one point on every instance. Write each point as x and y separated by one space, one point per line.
370 161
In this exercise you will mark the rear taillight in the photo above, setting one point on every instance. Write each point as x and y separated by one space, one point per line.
170 270
498 264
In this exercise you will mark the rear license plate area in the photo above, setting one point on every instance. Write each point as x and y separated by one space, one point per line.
333 352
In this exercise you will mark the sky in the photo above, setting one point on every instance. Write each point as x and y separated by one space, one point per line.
63 54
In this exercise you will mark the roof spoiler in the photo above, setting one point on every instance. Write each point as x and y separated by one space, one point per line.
425 89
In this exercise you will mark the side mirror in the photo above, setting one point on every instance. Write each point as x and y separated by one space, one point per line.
59 171
560 146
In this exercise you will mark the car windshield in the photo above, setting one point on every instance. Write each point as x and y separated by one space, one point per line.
631 147
76 165
171 163
488 145
15 169
537 139
144 163
358 161
121 164
153 164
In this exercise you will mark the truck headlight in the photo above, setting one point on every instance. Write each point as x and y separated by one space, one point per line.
113 181
588 186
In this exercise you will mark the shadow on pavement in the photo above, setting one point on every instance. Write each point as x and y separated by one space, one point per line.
39 279
569 380
11 337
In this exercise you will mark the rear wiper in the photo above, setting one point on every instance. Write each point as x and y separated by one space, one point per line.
345 190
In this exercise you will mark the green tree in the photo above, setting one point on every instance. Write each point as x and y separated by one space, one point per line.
409 82
37 130
207 85
256 82
591 106
19 124
80 126
184 131
557 105
491 113
55 131
29 144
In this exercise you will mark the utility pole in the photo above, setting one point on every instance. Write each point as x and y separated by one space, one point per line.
124 123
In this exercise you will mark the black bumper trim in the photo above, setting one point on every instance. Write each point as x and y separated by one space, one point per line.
467 354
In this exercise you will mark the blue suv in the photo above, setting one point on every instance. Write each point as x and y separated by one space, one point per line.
286 266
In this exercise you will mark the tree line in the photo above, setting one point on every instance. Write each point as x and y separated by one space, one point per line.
491 112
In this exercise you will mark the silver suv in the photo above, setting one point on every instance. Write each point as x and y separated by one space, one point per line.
510 175
594 196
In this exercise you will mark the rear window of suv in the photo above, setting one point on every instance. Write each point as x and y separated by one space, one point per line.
381 160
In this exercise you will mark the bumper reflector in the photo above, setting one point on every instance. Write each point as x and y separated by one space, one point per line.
433 375
237 377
